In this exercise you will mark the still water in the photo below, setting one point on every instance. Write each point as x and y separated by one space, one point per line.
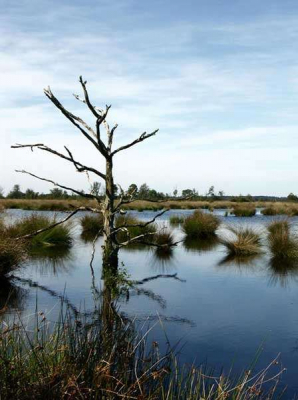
221 311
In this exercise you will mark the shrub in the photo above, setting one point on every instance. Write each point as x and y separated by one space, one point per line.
12 253
282 243
200 225
245 242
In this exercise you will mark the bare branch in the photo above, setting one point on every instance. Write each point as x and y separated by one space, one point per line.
87 100
79 166
89 196
110 136
140 139
151 278
136 239
76 121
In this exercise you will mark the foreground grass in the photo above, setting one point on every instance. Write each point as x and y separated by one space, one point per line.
244 242
78 359
200 225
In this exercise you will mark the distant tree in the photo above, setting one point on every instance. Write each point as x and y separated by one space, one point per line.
292 197
175 192
1 192
30 194
221 193
132 189
211 192
95 188
187 192
144 191
15 193
56 193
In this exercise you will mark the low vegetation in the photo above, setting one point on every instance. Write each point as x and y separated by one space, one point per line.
176 219
132 231
243 242
92 225
283 243
200 225
244 211
57 236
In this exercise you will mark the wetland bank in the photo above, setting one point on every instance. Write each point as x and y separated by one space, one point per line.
213 309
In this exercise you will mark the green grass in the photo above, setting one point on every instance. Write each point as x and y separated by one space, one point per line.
78 359
244 242
282 243
176 219
244 211
91 226
200 225
131 232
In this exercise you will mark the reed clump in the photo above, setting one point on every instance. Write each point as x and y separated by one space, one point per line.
92 225
57 236
244 242
282 243
131 228
200 225
244 211
176 219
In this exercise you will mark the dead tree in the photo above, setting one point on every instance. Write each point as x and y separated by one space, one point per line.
110 206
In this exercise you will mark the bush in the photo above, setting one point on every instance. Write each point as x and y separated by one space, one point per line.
200 225
245 242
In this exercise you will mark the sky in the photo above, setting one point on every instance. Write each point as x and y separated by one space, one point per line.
218 78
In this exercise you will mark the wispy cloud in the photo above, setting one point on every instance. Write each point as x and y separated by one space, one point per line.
213 88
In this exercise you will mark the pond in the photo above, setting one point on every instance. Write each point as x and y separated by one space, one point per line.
220 311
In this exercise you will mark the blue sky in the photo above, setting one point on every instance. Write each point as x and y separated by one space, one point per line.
218 78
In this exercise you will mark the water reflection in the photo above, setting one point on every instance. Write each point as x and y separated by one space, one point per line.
282 271
12 297
51 260
240 262
200 245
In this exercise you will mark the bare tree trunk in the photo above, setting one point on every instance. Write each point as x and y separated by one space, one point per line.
110 248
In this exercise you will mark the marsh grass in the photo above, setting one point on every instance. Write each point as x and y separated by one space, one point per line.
57 236
244 211
80 359
176 219
243 242
133 231
200 225
92 225
282 243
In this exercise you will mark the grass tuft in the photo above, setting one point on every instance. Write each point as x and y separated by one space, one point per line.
245 242
133 231
283 244
244 211
91 226
200 225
